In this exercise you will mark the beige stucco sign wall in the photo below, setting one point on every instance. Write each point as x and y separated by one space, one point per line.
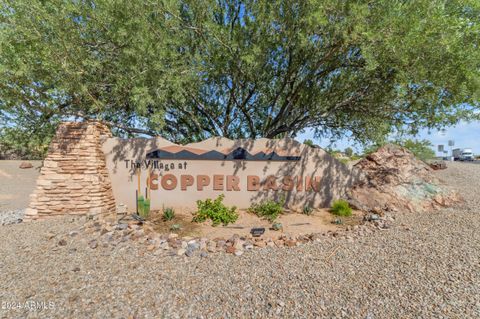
89 172
245 171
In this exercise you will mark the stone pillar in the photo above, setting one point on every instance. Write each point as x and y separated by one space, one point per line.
74 178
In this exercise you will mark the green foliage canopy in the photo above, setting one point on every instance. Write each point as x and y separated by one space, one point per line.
423 149
192 69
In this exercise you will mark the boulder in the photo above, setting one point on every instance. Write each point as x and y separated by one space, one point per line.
438 165
25 165
395 180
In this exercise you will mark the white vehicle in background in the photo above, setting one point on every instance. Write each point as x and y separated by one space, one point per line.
465 154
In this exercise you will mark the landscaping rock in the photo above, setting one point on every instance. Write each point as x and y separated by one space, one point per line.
189 252
193 245
93 244
221 244
25 165
230 250
211 246
438 165
394 179
290 243
164 246
122 226
260 244
12 217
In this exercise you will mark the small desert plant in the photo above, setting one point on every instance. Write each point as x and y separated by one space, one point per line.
143 207
268 209
307 210
175 227
216 211
277 226
340 207
338 221
168 213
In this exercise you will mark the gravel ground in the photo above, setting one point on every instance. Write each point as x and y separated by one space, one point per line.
426 266
11 216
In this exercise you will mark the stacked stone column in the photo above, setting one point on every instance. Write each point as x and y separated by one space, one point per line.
74 178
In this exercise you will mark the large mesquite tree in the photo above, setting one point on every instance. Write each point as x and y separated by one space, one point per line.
192 69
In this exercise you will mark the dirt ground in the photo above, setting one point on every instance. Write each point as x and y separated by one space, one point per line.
17 184
320 221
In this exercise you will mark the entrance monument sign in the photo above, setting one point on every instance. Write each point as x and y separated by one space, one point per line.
87 171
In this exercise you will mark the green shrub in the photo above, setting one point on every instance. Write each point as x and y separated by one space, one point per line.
268 209
168 213
341 207
216 211
307 210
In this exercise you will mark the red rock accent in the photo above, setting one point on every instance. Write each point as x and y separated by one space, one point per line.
395 180
74 178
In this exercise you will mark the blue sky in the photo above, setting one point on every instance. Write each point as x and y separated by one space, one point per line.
464 134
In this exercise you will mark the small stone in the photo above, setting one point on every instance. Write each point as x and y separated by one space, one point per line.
260 244
62 242
25 165
122 226
234 238
174 243
290 243
189 252
172 236
238 244
73 233
212 246
203 245
164 246
249 247
193 245
150 247
230 250
133 227
238 252
221 243
50 235
279 243
138 234
181 252
76 269
203 254
93 244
